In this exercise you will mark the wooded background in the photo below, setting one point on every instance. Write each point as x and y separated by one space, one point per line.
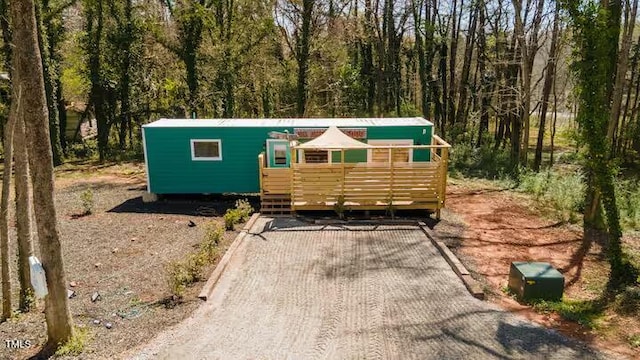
486 72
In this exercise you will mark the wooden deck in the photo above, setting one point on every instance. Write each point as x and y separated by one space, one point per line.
358 186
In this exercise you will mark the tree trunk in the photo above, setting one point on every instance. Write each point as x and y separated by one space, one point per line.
9 130
125 77
463 86
97 93
6 33
621 74
62 114
23 215
485 81
553 125
546 90
304 44
422 66
596 34
453 57
47 42
442 72
28 73
367 59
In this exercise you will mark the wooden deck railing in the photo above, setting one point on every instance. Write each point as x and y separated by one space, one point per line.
403 185
274 181
367 185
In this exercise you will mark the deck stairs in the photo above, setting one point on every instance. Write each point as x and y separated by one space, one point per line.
275 204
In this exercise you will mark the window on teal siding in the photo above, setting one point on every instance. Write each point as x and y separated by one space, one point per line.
206 149
280 154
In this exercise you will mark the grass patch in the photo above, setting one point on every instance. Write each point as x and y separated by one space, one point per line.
564 193
584 312
628 200
627 302
75 346
634 340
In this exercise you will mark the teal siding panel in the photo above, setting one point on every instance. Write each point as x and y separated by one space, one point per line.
405 132
172 171
350 156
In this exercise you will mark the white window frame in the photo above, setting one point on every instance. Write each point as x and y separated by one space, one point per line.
275 149
193 150
390 142
275 141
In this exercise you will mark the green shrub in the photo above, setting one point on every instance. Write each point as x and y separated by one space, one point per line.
244 209
75 346
483 162
212 237
231 218
87 201
84 150
178 277
181 274
240 213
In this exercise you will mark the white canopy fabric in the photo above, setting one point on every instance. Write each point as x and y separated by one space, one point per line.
333 139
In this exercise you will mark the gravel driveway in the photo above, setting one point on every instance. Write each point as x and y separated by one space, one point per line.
298 291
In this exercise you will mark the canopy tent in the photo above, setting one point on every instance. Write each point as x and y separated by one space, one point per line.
333 139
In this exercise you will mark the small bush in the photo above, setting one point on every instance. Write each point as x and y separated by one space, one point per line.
244 209
75 346
240 213
212 237
231 218
87 201
84 150
483 162
181 274
179 277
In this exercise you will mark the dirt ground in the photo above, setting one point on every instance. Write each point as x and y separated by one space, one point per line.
119 251
489 228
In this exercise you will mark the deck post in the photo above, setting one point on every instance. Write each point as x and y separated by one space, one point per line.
292 163
260 173
392 177
444 164
343 173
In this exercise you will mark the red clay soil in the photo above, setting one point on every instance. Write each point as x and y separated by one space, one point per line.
500 228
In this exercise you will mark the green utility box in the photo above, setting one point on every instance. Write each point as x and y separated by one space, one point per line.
536 280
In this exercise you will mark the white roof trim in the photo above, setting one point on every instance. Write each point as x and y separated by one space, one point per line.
307 122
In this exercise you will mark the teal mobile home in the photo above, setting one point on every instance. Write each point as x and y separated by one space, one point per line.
209 156
195 156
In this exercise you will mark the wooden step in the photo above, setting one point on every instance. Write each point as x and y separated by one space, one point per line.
275 204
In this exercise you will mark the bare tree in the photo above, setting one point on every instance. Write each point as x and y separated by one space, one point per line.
547 87
23 214
27 72
4 206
